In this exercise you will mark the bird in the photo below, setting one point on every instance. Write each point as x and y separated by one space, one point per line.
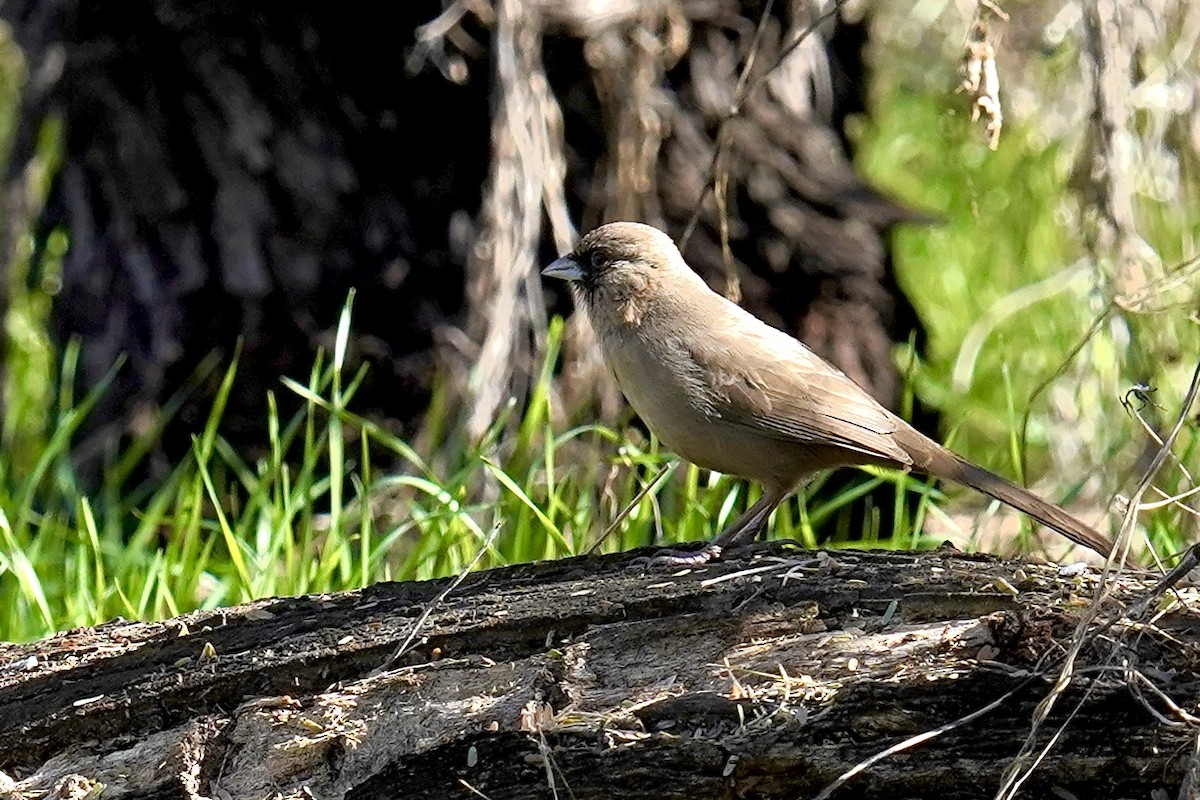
730 393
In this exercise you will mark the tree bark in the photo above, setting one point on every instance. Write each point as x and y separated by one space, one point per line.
765 675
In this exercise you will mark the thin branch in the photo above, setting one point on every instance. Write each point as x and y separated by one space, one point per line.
920 738
437 601
745 88
1013 776
637 498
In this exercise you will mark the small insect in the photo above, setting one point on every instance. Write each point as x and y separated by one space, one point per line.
1141 393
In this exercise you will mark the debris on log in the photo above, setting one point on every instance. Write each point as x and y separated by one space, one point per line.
770 674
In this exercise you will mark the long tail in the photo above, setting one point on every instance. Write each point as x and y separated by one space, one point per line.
941 463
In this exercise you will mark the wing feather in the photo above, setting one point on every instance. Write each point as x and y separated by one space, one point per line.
774 385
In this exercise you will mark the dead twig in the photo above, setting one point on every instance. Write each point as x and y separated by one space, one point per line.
920 738
637 498
1017 772
437 601
745 88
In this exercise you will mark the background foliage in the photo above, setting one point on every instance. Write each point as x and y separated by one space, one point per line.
1033 347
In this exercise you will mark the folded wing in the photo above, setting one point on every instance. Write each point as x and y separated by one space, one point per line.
775 385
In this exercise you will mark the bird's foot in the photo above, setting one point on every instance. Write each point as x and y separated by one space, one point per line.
672 559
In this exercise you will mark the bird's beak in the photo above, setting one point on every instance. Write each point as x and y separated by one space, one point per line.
566 268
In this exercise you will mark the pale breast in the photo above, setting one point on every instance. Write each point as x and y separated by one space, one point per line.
667 390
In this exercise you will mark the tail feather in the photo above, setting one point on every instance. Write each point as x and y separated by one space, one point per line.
941 463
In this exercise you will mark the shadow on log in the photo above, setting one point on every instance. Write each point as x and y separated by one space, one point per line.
768 675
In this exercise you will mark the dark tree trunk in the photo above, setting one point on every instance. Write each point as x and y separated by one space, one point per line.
764 676
229 172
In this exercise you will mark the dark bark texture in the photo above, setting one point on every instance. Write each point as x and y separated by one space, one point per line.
230 172
768 675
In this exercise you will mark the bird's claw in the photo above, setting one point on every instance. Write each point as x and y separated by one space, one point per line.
678 558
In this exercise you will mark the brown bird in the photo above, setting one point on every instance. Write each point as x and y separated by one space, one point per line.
730 393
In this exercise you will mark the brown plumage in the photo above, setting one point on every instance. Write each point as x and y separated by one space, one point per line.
730 393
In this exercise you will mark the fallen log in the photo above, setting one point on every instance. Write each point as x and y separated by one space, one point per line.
766 675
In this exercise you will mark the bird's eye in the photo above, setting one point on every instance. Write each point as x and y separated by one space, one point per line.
598 260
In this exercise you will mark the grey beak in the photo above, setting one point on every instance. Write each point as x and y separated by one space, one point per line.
566 268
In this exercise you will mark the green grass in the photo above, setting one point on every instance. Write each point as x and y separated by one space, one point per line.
221 530
1000 232
336 502
1028 357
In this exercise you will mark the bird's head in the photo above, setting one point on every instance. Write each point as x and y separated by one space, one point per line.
619 263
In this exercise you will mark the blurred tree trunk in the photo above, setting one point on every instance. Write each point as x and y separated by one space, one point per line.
227 173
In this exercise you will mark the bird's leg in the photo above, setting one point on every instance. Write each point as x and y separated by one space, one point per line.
739 533
745 529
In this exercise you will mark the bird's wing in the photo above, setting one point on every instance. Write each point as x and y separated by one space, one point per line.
775 385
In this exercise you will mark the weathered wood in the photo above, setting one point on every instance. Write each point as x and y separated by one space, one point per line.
767 675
